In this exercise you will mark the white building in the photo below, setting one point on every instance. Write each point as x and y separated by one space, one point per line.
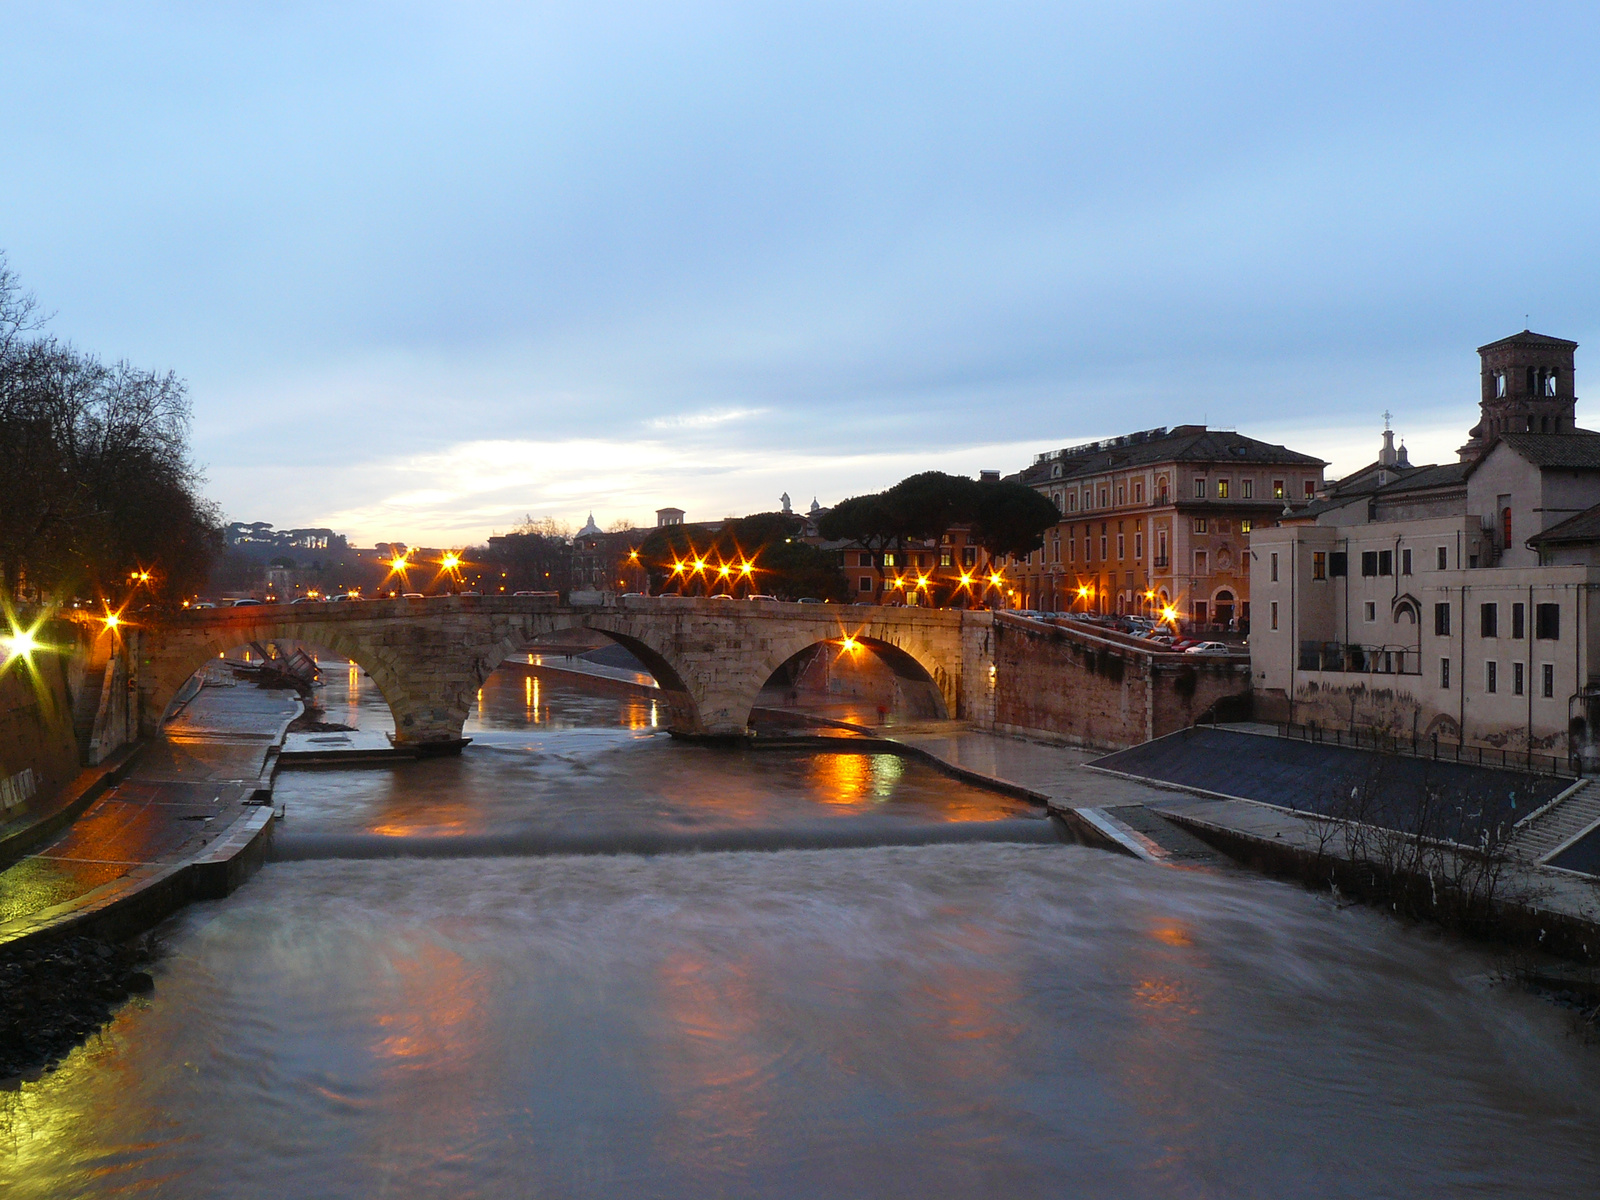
1453 601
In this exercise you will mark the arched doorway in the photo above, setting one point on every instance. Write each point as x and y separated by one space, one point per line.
1223 608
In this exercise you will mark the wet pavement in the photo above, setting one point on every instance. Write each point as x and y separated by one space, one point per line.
188 789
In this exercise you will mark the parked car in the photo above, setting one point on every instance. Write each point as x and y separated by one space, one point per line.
246 603
298 600
1208 648
412 596
202 604
808 600
759 596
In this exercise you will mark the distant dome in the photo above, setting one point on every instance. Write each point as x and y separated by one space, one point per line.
591 529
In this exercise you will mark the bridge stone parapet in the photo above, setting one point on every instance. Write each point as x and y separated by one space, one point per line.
429 657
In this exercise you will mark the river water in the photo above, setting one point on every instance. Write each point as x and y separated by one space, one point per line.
1000 1016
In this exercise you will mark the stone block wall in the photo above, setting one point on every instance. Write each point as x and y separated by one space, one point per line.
38 747
1071 685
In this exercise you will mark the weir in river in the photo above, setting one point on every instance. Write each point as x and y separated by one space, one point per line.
510 974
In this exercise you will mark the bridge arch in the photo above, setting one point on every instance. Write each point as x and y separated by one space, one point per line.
165 675
682 709
916 688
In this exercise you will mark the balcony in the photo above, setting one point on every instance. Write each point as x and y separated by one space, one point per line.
1160 562
1360 660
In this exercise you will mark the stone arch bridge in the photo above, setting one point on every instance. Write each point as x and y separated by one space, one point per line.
430 656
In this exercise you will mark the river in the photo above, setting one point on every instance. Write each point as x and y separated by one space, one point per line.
1004 1015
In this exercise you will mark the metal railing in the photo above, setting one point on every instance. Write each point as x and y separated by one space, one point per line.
1432 748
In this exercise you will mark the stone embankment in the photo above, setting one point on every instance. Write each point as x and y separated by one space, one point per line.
186 818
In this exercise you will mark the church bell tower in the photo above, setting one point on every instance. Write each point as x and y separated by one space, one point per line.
1527 388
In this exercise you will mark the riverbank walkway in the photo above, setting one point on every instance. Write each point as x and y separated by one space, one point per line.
1171 800
171 830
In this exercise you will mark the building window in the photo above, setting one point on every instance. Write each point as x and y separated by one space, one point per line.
1405 562
1517 621
1138 491
1549 681
1200 562
1061 502
1246 525
1444 559
866 583
1072 502
1161 546
1371 611
1121 547
1200 525
1489 620
1444 673
1274 566
1103 554
969 556
1338 564
1122 494
1105 497
1311 488
888 560
866 560
1277 489
1547 622
1274 614
1138 546
1247 488
1055 553
1385 562
1222 489
1491 677
1516 679
945 560
1369 562
1441 620
1199 489
1319 565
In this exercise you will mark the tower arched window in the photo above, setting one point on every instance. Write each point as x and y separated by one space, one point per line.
1505 527
1550 383
1500 385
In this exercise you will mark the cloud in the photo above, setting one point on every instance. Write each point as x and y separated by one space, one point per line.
704 420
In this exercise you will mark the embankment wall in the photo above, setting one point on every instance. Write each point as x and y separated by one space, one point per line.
38 746
1094 691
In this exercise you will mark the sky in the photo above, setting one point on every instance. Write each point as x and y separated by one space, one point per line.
429 270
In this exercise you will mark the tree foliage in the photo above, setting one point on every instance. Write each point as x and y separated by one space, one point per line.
536 556
1006 518
784 566
98 479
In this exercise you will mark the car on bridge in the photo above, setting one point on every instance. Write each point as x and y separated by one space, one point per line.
1208 648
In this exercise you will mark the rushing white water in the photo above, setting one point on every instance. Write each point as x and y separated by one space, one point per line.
952 1020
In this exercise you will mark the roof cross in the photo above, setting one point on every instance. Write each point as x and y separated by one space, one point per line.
1387 417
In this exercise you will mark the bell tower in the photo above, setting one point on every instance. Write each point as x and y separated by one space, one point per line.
1527 388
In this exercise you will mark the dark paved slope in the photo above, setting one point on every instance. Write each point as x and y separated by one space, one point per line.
1583 855
1448 800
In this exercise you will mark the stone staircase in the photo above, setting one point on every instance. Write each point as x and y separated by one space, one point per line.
1551 829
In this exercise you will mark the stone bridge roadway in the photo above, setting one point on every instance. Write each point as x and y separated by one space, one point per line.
711 657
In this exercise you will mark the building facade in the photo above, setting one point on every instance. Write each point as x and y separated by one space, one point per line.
1453 601
1160 520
